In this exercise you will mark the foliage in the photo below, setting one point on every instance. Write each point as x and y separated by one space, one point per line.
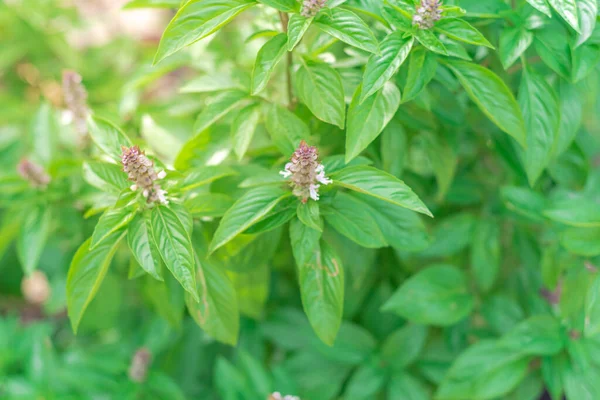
342 199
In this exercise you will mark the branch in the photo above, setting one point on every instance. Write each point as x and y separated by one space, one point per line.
284 25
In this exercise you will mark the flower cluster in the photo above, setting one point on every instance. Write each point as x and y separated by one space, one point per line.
140 362
75 97
278 396
140 170
33 173
310 8
305 172
427 13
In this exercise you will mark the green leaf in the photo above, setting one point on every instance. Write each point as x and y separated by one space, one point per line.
32 238
588 11
443 160
437 295
208 204
401 228
492 96
381 67
582 241
104 176
266 60
592 309
175 247
349 216
322 291
568 10
485 254
431 42
211 83
381 185
304 241
86 273
308 214
540 335
524 201
287 6
450 236
167 299
204 175
217 310
365 382
461 30
539 104
579 211
403 346
320 87
347 27
45 132
513 43
422 65
486 370
286 129
542 6
218 107
243 127
152 4
297 27
249 209
366 120
108 137
406 387
142 245
113 220
196 20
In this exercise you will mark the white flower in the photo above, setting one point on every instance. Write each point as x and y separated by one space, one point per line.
314 191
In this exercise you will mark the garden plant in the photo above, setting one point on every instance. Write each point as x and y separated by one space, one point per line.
300 199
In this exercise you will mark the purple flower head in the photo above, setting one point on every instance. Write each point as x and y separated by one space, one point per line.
140 170
305 172
310 8
34 173
75 97
427 13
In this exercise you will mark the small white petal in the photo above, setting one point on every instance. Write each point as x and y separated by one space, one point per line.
314 192
161 175
145 192
285 173
133 188
320 168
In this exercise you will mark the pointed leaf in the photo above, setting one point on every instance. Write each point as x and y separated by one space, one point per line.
568 10
32 238
366 120
114 219
421 70
108 137
243 128
105 176
539 104
513 43
459 29
297 27
347 27
86 273
142 245
322 291
245 212
381 67
196 20
492 96
175 247
381 185
285 127
320 87
266 60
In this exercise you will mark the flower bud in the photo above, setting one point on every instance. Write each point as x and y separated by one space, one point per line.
75 97
35 288
138 369
140 170
310 8
427 13
305 172
34 173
